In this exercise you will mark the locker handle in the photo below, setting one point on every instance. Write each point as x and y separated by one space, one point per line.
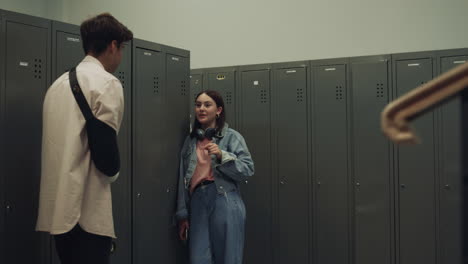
358 184
138 195
8 208
447 187
282 182
403 186
113 247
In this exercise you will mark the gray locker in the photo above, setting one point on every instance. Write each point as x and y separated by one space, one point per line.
176 129
223 80
290 126
372 160
121 189
416 173
148 152
67 48
255 126
465 172
27 75
450 161
2 146
196 86
330 149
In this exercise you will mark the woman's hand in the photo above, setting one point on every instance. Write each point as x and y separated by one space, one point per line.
213 149
183 229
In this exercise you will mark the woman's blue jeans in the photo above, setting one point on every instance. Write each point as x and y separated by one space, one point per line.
217 220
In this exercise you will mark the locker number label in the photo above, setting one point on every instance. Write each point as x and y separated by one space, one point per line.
148 53
175 59
23 64
73 39
256 83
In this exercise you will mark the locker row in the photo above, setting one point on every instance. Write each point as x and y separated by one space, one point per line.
329 187
33 53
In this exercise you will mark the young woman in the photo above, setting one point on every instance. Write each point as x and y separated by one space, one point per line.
210 210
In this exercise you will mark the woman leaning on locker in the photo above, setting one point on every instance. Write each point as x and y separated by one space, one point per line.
214 159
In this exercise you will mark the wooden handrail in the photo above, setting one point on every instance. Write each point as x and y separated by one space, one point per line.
396 117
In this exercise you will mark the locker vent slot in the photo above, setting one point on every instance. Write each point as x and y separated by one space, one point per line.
37 68
263 96
121 77
300 95
183 88
228 97
339 93
156 85
380 90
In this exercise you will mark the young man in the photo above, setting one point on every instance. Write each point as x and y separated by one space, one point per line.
75 203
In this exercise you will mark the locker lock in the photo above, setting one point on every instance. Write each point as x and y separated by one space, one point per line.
138 195
246 181
167 190
113 247
8 208
447 187
282 182
358 184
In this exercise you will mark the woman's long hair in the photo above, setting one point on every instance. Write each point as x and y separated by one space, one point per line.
219 103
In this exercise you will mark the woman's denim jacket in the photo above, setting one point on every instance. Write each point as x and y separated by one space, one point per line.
235 166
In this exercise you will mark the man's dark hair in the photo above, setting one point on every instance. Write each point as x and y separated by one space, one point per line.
99 31
216 96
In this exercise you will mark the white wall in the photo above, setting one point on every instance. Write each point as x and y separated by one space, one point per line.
30 7
222 32
50 9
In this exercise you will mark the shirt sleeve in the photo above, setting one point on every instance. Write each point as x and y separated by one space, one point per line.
109 104
237 163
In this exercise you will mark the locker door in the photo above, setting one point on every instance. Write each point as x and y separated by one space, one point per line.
451 182
225 83
372 180
148 159
177 129
27 71
292 158
257 192
416 175
121 189
2 140
67 48
196 86
330 151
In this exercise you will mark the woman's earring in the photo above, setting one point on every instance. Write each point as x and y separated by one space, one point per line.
217 116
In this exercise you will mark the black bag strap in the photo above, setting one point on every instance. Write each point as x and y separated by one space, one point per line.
79 96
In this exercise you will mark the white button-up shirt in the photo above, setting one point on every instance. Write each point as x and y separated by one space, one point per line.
72 189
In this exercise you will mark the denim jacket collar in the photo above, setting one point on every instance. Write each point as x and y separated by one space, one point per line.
222 133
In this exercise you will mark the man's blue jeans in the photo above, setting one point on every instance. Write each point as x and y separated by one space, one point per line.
216 233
